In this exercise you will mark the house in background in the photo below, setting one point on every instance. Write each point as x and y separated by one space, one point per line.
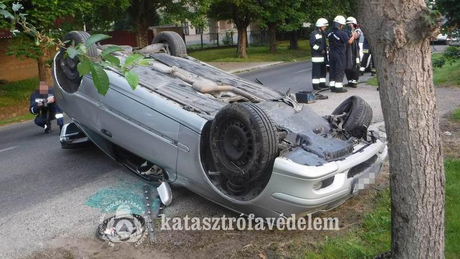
218 33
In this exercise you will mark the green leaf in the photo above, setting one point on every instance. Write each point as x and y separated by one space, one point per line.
132 78
16 7
111 49
132 58
6 14
72 52
95 38
145 62
100 79
84 66
112 59
2 6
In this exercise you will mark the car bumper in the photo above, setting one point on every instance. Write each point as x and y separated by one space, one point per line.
299 189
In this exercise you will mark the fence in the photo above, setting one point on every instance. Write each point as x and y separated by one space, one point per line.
227 38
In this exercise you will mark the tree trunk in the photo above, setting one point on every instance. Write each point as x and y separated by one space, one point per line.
142 33
44 70
272 36
242 42
399 40
294 41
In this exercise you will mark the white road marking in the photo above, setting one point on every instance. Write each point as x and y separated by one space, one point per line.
6 149
302 70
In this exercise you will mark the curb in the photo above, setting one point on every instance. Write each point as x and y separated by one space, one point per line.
241 70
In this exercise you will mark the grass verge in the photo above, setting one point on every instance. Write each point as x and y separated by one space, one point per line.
14 101
374 237
256 54
447 75
456 115
22 118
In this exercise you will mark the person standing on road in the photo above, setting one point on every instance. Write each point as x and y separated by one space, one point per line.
43 104
352 53
368 60
318 54
337 40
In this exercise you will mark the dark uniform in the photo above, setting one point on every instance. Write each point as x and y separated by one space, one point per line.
353 61
318 53
337 40
46 113
367 64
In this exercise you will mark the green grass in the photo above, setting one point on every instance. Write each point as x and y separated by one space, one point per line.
452 167
256 54
16 93
17 119
448 75
374 237
373 81
456 115
14 96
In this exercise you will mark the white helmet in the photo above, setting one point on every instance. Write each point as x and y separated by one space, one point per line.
351 20
340 20
322 22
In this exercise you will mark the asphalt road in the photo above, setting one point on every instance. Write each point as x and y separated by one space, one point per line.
48 193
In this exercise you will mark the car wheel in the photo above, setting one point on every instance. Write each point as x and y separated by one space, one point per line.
244 142
176 44
66 68
358 115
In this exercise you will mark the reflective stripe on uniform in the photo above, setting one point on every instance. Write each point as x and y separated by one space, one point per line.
322 80
59 116
332 83
338 85
318 36
32 110
317 59
315 81
365 51
362 69
315 47
358 60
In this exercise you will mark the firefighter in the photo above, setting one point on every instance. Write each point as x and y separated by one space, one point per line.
368 60
318 53
43 104
352 53
337 40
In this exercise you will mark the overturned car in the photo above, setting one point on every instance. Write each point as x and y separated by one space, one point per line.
237 143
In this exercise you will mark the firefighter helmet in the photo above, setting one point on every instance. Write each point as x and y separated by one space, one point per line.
322 22
340 20
351 20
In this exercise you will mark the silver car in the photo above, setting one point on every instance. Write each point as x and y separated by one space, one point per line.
239 144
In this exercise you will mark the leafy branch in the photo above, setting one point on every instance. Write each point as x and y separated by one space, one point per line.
88 64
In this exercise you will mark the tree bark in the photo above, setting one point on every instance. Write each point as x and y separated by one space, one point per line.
44 70
399 39
272 36
294 41
142 33
242 41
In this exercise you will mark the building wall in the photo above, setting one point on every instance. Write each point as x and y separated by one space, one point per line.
13 69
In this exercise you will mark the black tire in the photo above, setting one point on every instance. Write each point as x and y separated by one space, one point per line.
244 142
176 44
66 68
358 118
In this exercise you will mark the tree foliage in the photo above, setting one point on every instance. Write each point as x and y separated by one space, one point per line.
451 9
241 13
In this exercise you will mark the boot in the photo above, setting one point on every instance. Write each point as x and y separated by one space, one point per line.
316 87
48 127
340 90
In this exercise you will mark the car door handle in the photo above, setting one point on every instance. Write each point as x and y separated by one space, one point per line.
107 133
